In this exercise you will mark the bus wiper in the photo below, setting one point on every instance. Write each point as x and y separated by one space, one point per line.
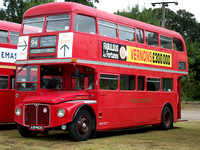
22 68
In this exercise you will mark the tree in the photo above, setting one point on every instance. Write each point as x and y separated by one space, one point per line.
2 14
16 8
84 2
186 24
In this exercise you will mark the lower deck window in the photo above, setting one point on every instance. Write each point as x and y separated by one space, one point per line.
167 84
127 82
3 82
153 84
108 82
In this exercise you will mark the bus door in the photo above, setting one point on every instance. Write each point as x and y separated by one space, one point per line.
7 93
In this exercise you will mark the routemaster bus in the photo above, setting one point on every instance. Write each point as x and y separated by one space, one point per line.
85 71
9 34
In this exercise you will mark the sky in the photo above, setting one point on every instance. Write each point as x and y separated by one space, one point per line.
112 6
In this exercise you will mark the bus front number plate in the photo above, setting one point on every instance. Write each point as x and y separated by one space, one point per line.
37 127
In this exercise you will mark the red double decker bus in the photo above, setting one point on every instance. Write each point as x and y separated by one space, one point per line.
9 33
85 71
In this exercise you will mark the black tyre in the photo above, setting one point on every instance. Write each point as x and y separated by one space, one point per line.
25 132
167 118
81 127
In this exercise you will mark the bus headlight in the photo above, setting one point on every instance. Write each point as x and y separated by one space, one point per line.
18 111
61 112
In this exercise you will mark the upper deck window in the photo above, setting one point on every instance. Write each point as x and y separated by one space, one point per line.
166 42
33 25
58 23
14 36
178 46
3 36
151 38
84 24
126 33
140 37
107 29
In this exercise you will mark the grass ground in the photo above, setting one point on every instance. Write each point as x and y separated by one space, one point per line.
184 135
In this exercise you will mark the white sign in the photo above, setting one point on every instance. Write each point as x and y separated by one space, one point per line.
22 47
8 55
65 44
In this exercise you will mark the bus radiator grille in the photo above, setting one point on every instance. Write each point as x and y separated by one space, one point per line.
37 114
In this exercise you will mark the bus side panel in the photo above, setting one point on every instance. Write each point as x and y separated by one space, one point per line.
85 47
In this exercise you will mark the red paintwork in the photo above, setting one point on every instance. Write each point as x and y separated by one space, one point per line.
54 97
7 69
114 109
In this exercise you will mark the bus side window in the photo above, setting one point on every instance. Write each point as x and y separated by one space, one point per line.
14 36
3 82
139 35
165 42
127 82
153 84
107 29
178 46
151 38
12 82
141 83
84 24
126 33
3 36
108 82
167 84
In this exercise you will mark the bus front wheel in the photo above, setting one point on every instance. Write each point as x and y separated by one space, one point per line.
25 132
167 118
81 127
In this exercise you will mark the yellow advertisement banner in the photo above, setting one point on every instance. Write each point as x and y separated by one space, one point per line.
144 56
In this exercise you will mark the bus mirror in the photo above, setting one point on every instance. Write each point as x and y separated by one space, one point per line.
76 73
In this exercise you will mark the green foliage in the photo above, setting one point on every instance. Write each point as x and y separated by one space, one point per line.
2 14
16 8
186 24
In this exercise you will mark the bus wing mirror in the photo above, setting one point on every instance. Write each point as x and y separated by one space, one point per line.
76 73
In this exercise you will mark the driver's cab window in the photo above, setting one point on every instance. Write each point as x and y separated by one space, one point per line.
83 82
51 78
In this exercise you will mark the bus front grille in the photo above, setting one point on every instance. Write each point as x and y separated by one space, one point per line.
37 114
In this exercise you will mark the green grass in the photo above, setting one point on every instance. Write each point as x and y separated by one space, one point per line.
184 135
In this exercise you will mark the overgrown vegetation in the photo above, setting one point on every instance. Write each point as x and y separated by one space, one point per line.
186 24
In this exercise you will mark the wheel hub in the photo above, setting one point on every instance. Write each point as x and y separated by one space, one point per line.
83 125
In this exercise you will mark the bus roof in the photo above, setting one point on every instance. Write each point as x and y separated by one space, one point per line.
5 25
63 7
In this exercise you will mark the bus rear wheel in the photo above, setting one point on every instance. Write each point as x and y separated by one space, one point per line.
25 132
167 118
81 128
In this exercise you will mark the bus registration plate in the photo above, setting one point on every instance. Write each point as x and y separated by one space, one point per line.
36 127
